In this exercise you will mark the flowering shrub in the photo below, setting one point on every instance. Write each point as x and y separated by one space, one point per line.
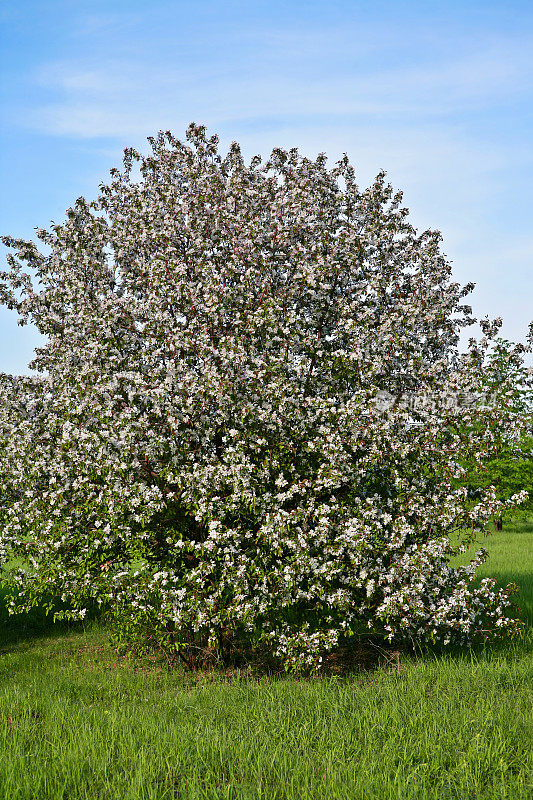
509 467
205 448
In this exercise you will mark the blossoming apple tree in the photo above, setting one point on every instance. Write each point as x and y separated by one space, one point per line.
204 448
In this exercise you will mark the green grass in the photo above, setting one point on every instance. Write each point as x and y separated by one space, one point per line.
77 721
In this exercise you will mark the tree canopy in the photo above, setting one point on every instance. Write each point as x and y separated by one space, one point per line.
205 449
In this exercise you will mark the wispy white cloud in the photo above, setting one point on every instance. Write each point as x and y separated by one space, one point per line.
89 24
124 99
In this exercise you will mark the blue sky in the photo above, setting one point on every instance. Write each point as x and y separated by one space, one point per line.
439 94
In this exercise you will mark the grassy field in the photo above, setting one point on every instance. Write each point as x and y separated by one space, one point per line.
77 721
